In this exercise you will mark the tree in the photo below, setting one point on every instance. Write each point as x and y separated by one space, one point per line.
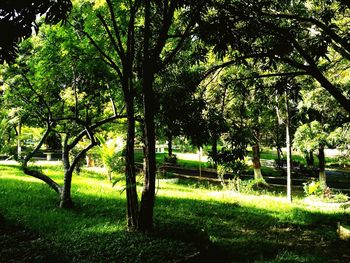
311 137
309 37
137 63
180 108
60 89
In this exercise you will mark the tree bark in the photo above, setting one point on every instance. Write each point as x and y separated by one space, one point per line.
148 193
131 191
66 200
19 141
333 90
289 151
312 160
37 174
309 156
321 165
170 145
214 149
256 162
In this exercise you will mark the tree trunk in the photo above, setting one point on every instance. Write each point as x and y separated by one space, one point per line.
256 162
214 150
148 193
37 174
289 152
131 191
321 165
66 200
309 156
312 160
333 90
19 141
279 122
279 153
170 145
90 162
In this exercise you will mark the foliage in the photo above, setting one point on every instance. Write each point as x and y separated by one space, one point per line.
17 21
314 188
171 159
232 161
308 137
112 154
338 198
251 186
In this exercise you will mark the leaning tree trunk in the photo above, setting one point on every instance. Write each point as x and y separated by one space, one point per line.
321 165
256 162
38 174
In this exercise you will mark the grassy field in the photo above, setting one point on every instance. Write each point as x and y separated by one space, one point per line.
193 223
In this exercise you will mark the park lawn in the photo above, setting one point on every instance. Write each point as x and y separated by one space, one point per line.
192 220
191 161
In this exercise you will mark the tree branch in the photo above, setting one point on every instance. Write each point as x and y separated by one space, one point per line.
111 37
338 39
105 58
116 29
179 45
38 146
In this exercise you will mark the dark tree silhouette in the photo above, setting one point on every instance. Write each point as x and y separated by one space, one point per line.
17 21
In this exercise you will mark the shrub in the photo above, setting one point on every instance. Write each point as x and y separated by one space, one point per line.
314 188
245 186
171 159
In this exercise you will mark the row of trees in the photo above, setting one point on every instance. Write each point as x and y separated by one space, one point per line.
213 71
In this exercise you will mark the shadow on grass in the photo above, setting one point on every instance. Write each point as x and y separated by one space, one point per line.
246 234
187 230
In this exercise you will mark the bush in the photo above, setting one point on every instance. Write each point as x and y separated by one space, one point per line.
314 188
171 159
245 186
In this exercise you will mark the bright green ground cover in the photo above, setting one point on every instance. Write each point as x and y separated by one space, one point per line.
190 218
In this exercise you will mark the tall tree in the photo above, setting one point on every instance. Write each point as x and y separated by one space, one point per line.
137 62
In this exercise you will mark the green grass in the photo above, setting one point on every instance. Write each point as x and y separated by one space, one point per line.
182 162
272 155
265 154
189 218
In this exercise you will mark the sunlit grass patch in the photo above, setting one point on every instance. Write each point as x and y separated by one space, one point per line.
190 218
